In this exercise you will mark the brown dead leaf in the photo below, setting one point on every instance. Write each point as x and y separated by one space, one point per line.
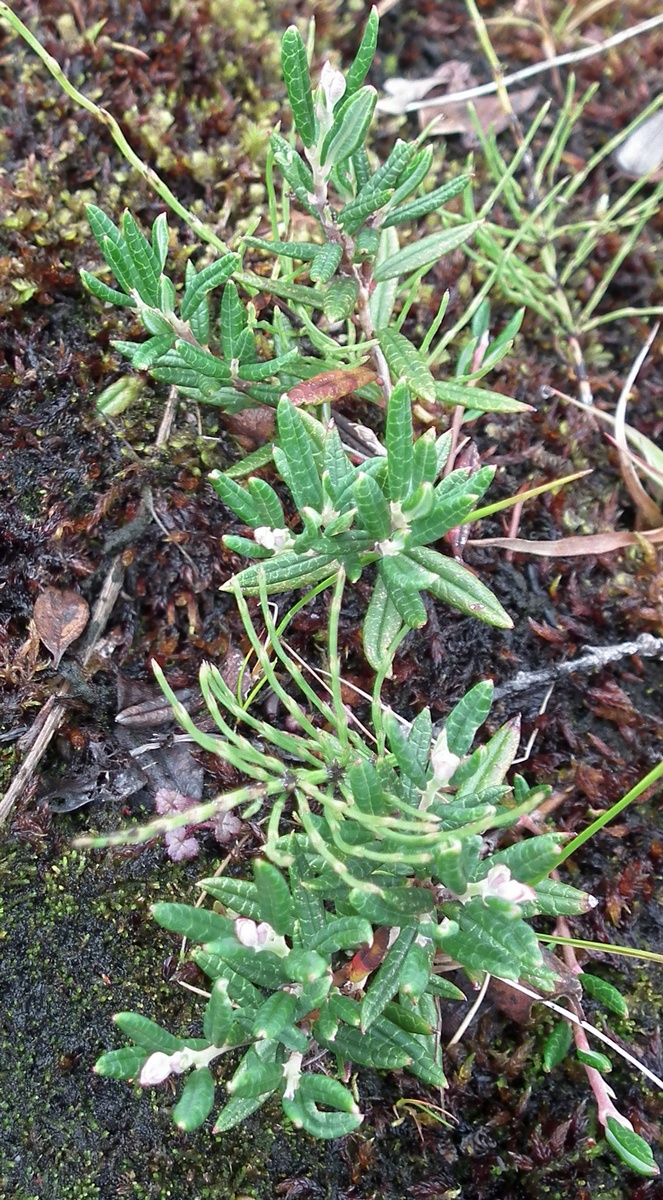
252 426
572 547
60 618
331 385
455 117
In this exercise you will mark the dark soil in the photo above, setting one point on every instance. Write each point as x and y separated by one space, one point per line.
78 944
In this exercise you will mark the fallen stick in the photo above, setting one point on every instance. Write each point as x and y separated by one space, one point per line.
595 659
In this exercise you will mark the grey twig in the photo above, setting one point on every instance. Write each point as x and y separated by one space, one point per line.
594 659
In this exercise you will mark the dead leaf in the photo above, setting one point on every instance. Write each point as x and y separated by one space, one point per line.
252 427
572 547
331 385
60 618
455 117
642 151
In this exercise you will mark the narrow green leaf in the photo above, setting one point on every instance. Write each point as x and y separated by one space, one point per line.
309 910
267 504
103 292
591 1058
304 1113
492 937
370 1049
160 239
196 1102
238 1110
527 860
351 121
121 1064
451 392
399 442
407 1019
467 716
146 263
405 599
343 933
365 54
240 989
239 895
439 986
296 446
425 252
372 508
325 262
353 215
147 1034
488 765
273 896
340 299
294 66
305 966
416 972
212 276
198 924
604 992
305 251
236 498
406 363
277 1011
456 861
459 588
383 298
554 899
118 258
426 204
381 625
631 1148
407 754
219 1014
284 573
413 175
558 1043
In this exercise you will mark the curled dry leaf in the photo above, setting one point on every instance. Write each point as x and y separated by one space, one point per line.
331 385
570 547
60 618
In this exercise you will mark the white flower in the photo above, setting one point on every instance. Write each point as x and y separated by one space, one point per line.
498 882
273 539
259 937
291 1073
332 84
443 762
158 1067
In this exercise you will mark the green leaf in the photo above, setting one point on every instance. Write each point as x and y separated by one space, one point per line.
459 588
408 754
196 1102
492 937
405 599
202 361
604 992
415 972
450 392
147 1034
554 899
273 896
302 478
240 989
108 294
339 299
365 54
267 504
151 351
236 1111
212 276
372 508
351 121
198 924
264 970
102 226
308 908
488 765
145 261
399 442
413 175
397 906
343 933
467 716
598 1062
421 1051
239 895
383 298
439 986
304 1112
305 251
219 1014
236 498
325 262
426 204
305 966
407 1019
353 215
456 861
118 258
527 860
277 1011
160 240
284 573
294 66
126 1063
370 1049
381 625
233 321
364 783
558 1043
631 1148
254 1078
424 252
406 363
